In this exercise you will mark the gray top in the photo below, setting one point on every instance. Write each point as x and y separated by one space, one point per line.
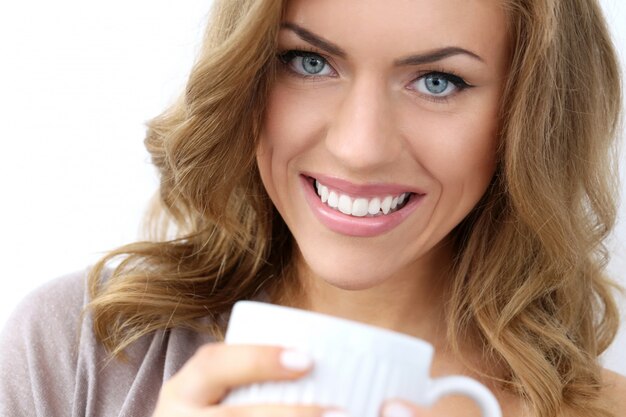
51 365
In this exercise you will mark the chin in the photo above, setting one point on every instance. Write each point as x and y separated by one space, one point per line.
350 268
348 279
350 285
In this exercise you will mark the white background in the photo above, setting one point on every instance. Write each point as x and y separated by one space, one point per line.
78 79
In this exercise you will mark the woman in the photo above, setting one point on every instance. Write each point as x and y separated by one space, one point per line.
441 169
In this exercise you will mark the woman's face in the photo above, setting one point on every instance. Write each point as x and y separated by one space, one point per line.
387 107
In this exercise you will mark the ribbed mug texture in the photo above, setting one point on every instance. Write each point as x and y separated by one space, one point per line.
357 366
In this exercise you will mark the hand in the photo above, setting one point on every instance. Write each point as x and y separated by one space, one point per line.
198 388
400 408
449 407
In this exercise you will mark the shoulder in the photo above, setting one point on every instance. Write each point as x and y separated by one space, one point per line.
615 391
51 362
39 344
56 300
51 311
48 310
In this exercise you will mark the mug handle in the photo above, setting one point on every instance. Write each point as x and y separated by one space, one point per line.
469 387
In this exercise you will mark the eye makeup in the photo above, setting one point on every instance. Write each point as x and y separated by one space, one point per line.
310 64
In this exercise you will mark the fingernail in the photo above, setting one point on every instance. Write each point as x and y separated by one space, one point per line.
396 409
294 360
335 413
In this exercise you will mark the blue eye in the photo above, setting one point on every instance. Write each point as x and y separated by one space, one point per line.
306 63
439 84
436 84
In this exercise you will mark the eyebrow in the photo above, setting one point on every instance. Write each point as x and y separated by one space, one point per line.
436 55
418 59
314 39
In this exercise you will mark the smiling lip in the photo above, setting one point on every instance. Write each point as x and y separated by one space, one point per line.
365 190
358 226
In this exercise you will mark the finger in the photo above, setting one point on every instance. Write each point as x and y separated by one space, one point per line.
401 408
273 411
215 368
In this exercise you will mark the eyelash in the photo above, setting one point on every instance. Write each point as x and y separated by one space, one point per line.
460 84
286 57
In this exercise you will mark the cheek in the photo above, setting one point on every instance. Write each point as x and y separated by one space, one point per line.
456 149
469 155
294 118
458 154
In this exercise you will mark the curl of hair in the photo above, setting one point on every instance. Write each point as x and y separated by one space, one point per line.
528 278
530 268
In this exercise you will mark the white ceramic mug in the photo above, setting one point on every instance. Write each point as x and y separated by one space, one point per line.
357 366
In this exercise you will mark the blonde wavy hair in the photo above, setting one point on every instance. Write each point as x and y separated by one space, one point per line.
528 276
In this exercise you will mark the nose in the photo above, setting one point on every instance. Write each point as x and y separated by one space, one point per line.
361 135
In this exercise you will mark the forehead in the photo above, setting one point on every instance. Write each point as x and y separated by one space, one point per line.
398 26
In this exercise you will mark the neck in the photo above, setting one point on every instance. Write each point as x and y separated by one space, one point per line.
410 302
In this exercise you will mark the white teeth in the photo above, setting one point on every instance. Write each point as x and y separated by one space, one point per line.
333 199
374 206
324 193
345 204
359 207
386 204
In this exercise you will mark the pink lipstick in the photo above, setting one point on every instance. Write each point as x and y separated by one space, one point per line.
361 224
